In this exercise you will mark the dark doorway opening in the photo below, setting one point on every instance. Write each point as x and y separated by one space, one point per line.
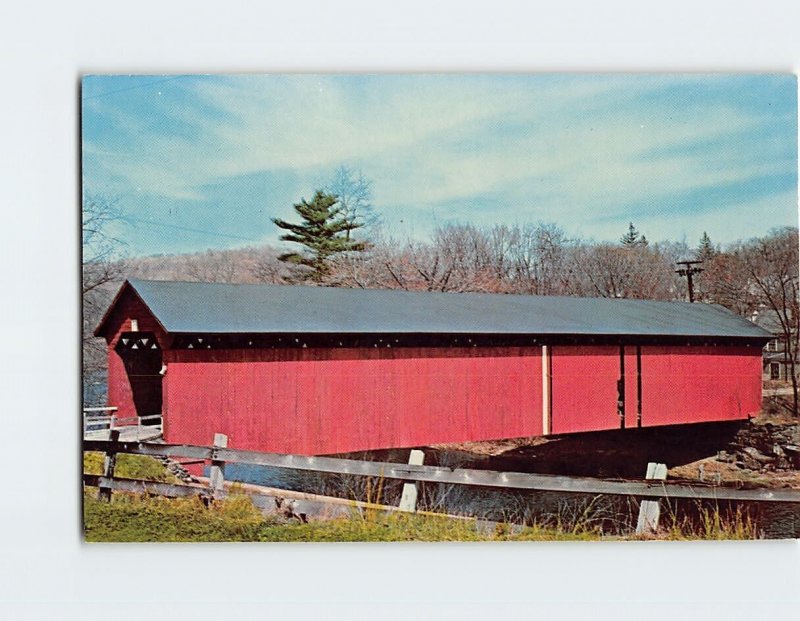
142 358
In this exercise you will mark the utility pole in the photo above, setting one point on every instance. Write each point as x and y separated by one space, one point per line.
689 271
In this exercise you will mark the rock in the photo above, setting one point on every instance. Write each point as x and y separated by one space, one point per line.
757 455
792 454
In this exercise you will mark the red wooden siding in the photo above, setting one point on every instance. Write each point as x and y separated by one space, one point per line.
584 388
120 393
698 384
318 401
680 384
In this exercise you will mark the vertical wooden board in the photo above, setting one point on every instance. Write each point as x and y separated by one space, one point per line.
175 399
120 394
400 414
584 384
168 357
276 404
207 395
305 405
211 401
546 388
296 401
360 412
408 499
267 414
324 396
171 397
630 387
247 400
428 384
478 394
228 371
482 411
531 362
317 422
650 510
447 403
194 392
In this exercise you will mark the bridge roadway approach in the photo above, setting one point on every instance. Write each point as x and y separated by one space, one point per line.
132 433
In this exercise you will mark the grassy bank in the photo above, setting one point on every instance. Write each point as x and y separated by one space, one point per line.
130 466
140 518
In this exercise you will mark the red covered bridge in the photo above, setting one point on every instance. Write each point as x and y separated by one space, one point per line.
316 370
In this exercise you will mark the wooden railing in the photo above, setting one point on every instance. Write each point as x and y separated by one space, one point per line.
136 427
219 455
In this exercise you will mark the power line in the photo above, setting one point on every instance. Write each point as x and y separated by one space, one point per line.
135 86
131 219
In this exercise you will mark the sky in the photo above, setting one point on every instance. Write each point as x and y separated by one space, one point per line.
196 162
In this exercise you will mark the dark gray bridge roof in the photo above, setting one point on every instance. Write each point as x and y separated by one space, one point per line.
190 307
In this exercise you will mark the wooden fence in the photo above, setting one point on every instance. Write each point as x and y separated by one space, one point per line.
219 455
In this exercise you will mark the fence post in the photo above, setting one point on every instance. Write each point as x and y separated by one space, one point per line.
109 464
650 510
216 474
408 501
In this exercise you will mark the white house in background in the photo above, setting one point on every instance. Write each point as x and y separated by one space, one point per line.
776 365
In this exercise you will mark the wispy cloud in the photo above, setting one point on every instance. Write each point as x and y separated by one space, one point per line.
588 151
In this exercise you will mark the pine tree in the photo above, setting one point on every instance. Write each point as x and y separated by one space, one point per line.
323 232
705 249
633 239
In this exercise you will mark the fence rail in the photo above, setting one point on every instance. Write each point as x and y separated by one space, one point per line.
437 474
138 427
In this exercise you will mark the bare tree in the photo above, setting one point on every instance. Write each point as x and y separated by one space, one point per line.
267 268
458 258
100 246
611 271
354 194
370 268
540 259
101 267
500 241
725 281
771 264
214 266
